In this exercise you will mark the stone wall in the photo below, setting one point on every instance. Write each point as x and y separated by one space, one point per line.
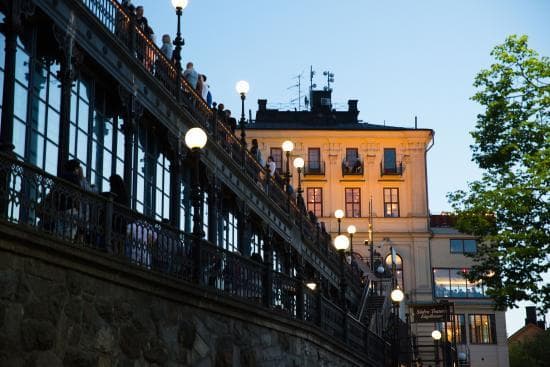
54 314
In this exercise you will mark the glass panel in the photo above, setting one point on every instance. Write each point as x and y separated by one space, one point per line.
389 159
19 137
458 283
51 158
470 246
53 125
20 102
441 282
456 246
22 66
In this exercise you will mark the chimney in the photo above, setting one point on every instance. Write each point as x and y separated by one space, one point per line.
352 105
262 105
531 312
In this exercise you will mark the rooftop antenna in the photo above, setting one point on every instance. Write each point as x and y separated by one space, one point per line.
311 85
299 86
330 79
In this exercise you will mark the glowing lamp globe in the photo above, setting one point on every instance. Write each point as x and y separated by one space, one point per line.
180 4
195 138
288 146
341 242
298 162
462 356
436 334
311 285
397 295
380 269
339 214
242 87
352 229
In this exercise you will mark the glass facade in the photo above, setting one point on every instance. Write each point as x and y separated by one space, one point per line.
452 283
457 327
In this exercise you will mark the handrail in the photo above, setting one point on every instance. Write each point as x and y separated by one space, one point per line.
59 210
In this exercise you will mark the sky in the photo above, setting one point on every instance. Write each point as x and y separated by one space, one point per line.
399 58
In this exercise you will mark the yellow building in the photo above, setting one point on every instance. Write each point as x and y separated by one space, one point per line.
377 175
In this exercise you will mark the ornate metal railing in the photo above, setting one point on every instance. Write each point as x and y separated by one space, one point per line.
61 211
122 25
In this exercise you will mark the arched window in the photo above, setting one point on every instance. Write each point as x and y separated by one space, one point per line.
398 268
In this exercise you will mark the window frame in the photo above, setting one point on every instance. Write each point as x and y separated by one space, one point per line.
475 334
389 168
311 167
462 245
391 202
277 154
315 204
454 291
354 205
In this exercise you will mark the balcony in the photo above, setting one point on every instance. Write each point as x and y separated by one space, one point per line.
353 168
314 168
391 169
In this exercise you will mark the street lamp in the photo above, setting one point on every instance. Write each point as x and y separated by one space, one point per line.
299 164
179 5
397 295
351 230
311 285
341 244
242 87
195 139
436 336
339 214
288 147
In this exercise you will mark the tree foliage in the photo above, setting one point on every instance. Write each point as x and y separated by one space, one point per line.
508 208
533 352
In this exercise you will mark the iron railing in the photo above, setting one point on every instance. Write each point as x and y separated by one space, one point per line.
61 211
355 168
314 168
392 170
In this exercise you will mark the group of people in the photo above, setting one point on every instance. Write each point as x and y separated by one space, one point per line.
196 80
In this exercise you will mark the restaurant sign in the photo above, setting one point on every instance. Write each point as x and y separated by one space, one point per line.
431 313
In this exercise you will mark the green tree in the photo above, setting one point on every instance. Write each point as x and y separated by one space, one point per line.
508 208
533 352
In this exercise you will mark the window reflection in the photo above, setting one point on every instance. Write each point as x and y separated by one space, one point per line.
451 283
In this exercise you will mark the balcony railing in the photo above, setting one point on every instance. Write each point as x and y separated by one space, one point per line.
352 168
314 168
393 170
56 209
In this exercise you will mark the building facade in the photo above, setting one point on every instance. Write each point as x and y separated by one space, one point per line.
377 175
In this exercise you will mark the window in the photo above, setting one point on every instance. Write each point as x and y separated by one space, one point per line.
460 246
230 232
451 283
353 202
277 154
482 329
314 159
398 269
315 200
390 165
352 164
458 323
391 202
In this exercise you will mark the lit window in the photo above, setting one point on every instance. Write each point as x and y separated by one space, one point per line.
353 202
452 283
315 201
458 324
482 329
277 155
391 202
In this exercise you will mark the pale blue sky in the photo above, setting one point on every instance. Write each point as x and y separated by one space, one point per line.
399 58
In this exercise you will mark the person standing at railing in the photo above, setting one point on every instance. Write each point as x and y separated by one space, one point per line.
119 222
191 75
67 204
167 48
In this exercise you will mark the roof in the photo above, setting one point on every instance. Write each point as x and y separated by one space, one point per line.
359 126
527 332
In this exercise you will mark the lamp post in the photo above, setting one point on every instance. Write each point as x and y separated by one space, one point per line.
179 5
195 139
341 243
351 230
339 214
242 87
288 147
299 164
436 336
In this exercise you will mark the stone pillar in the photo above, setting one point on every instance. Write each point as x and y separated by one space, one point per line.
16 10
